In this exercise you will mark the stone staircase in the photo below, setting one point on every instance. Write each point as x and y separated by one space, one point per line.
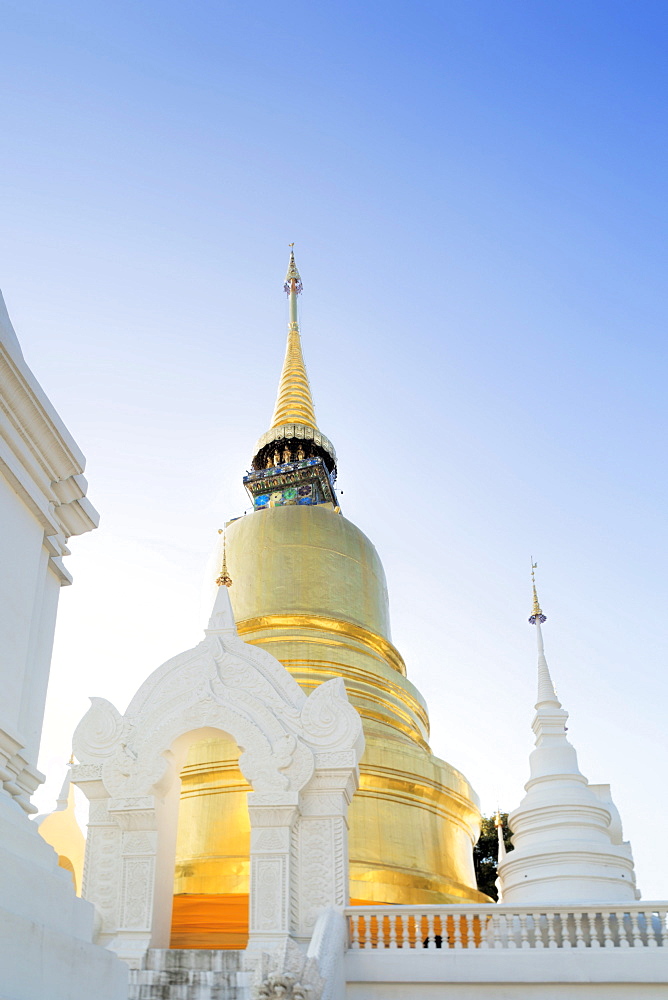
189 975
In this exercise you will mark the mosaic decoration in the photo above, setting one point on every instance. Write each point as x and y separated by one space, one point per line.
306 482
280 498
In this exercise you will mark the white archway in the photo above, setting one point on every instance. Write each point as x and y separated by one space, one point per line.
299 754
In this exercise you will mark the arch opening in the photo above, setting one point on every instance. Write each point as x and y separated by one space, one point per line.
212 859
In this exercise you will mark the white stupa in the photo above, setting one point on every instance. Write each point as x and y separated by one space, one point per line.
567 833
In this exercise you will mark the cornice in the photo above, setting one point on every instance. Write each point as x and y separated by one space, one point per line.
37 453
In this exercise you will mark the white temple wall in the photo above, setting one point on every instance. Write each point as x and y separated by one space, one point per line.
21 538
29 592
46 932
506 991
507 975
42 503
36 679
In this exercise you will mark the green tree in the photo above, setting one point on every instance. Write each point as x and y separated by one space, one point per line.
485 853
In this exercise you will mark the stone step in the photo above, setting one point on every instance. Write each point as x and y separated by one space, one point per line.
177 977
171 974
166 959
148 992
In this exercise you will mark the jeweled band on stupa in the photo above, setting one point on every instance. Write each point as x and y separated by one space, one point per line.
309 587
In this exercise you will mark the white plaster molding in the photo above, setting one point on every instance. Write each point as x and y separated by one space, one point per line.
38 453
18 778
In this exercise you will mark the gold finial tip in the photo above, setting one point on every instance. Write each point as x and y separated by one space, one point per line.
536 613
70 762
224 580
293 281
497 820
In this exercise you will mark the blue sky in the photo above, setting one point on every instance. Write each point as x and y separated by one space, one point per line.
476 191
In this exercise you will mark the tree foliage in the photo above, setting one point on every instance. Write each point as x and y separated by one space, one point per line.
485 854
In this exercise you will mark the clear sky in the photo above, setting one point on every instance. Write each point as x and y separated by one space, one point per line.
476 191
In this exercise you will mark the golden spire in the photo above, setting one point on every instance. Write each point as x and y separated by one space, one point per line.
536 613
224 580
294 403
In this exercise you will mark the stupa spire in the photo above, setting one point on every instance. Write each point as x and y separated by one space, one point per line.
222 620
294 435
224 580
294 402
546 693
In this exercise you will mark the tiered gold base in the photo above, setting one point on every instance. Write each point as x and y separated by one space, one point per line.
410 838
309 587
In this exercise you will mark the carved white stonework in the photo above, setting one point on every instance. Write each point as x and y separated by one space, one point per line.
268 894
271 840
300 755
288 973
137 893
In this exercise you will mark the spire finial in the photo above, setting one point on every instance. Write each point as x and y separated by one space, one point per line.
224 580
294 403
293 433
293 281
536 613
546 693
70 762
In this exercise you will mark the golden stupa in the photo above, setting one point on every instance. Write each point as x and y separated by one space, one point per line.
309 587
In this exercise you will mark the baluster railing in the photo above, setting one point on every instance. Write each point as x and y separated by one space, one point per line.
392 919
431 935
662 928
551 931
442 928
622 926
457 932
566 926
368 939
510 920
595 932
579 934
354 923
405 931
468 939
485 930
636 930
497 941
608 937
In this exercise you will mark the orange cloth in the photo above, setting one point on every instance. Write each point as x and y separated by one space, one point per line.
203 921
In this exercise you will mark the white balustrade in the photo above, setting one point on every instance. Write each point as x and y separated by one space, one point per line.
551 932
431 928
